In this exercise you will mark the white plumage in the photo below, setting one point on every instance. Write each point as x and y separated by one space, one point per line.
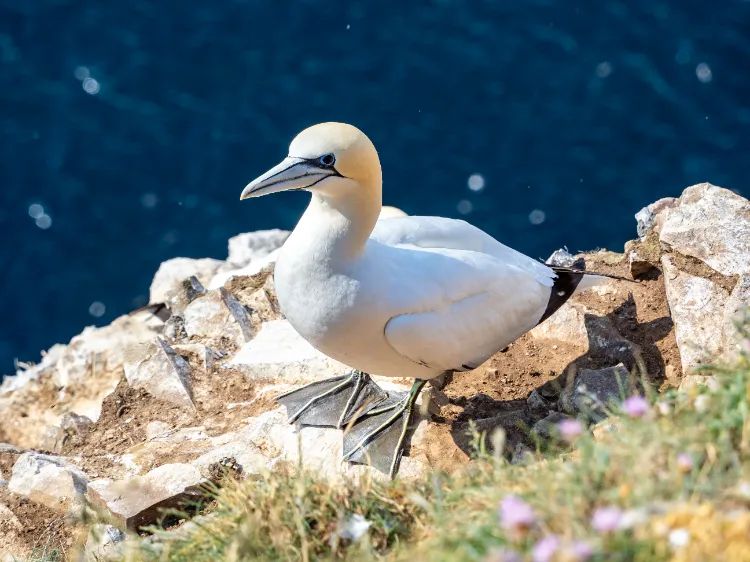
403 297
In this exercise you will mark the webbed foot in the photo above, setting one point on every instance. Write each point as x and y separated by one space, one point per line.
378 437
333 402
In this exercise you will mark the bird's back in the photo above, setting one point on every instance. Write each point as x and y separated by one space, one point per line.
451 234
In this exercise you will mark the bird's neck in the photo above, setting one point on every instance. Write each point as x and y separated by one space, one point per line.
339 227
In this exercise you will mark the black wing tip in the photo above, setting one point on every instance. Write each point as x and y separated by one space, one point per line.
582 272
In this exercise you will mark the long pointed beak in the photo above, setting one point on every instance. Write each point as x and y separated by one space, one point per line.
290 173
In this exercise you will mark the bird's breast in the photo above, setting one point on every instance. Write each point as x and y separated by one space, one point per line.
319 304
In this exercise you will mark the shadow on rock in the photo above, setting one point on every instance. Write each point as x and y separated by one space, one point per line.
622 356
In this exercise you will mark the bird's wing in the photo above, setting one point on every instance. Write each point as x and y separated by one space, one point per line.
464 307
439 232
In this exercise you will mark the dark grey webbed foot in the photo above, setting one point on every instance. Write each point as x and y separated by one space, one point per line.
377 438
332 402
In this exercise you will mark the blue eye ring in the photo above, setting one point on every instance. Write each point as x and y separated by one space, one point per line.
327 160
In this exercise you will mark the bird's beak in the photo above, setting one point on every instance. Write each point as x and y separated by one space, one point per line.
291 173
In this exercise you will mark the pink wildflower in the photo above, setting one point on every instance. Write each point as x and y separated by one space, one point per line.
579 551
569 429
545 549
515 514
635 406
606 519
504 554
685 462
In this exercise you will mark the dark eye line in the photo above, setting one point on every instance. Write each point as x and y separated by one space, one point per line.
318 163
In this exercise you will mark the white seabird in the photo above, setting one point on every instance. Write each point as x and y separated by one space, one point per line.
401 297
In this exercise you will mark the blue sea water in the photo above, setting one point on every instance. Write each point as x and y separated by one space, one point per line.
130 128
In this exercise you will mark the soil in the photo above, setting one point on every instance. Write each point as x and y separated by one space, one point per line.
42 529
127 412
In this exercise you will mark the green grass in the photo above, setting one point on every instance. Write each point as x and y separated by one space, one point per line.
673 473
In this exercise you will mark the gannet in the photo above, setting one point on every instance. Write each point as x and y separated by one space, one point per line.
407 296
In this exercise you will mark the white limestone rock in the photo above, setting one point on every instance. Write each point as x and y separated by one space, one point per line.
137 502
711 224
320 449
649 215
736 314
697 308
218 315
51 481
279 354
250 247
159 370
172 273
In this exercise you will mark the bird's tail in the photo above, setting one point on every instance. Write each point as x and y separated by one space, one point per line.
586 279
569 282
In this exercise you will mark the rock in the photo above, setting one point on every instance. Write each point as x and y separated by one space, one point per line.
196 353
237 445
53 439
136 502
319 449
736 315
278 353
156 368
51 481
578 325
257 294
713 225
547 428
250 254
537 403
647 216
593 391
102 542
514 425
76 377
250 247
218 315
697 308
173 272
639 265
183 294
74 424
156 428
11 449
693 382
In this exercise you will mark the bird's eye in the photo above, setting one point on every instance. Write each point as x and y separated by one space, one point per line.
327 160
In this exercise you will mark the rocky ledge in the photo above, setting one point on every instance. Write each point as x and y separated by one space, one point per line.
140 415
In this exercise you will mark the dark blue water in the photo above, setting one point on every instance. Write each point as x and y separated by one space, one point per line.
135 125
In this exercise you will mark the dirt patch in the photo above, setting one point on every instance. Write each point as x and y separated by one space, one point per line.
498 389
697 268
41 529
223 398
7 460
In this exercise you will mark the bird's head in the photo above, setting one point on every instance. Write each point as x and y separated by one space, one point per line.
334 160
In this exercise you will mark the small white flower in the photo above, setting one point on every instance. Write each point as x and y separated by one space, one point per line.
679 538
355 527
